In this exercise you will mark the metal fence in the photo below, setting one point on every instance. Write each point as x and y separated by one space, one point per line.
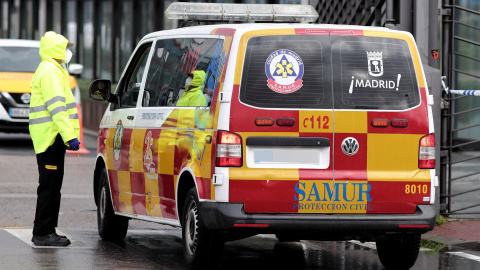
460 190
354 12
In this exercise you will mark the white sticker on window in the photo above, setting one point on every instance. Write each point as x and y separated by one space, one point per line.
375 64
284 70
375 69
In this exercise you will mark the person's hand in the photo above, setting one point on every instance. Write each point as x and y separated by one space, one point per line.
74 144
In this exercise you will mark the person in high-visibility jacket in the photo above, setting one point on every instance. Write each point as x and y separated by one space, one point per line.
193 95
54 127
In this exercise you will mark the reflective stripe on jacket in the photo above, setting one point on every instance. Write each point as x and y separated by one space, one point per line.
52 106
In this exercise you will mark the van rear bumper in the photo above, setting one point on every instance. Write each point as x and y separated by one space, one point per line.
231 217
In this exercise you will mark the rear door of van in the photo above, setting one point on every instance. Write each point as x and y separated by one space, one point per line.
381 114
331 121
282 107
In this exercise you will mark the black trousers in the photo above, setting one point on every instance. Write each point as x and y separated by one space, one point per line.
50 168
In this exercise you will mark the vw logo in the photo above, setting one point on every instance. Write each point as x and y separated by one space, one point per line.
350 146
25 98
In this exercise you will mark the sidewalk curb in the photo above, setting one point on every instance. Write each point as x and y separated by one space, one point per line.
452 243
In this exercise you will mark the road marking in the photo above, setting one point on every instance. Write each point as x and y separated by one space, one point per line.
26 236
466 255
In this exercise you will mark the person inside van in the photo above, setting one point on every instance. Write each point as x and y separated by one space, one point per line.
193 95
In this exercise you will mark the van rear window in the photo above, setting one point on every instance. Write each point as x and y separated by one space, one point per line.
373 73
287 72
325 72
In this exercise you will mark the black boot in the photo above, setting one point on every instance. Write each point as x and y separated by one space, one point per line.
50 240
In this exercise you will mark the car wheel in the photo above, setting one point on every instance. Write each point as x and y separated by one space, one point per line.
110 226
202 249
399 253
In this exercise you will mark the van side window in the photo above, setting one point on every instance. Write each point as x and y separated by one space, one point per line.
130 87
373 74
176 62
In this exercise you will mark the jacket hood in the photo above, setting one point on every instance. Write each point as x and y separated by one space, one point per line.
52 46
198 78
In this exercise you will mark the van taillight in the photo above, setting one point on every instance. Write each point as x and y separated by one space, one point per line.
399 123
286 122
380 122
229 149
426 152
264 121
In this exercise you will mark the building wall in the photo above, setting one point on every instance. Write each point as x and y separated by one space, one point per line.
105 32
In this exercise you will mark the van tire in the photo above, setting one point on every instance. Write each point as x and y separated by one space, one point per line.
202 249
110 226
399 253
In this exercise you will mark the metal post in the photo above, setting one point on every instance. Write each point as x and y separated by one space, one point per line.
445 204
96 41
390 20
421 28
160 8
399 16
49 15
79 54
9 19
433 32
117 9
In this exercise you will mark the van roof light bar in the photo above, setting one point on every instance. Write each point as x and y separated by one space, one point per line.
241 12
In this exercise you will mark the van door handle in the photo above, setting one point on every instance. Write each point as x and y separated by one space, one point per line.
208 139
130 117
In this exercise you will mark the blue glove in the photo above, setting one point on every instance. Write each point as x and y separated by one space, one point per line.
74 144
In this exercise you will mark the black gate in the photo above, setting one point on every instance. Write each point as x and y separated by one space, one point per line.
354 12
460 137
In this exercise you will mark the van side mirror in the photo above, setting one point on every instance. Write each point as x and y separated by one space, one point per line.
100 90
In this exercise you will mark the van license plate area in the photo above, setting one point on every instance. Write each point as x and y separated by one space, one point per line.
288 157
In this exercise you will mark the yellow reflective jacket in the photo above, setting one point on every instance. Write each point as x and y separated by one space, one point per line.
193 95
52 106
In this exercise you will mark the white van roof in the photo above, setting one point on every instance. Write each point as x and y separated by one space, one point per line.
245 27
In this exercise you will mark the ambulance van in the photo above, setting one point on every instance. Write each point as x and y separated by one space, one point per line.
304 131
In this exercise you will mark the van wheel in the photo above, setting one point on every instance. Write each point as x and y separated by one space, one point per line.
110 226
399 253
202 249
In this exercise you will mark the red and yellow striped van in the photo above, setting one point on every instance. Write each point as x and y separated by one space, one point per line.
305 131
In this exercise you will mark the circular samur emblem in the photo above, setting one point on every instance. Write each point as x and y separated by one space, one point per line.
350 146
117 145
25 98
284 70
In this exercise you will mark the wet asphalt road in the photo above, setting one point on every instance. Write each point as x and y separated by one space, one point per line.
149 245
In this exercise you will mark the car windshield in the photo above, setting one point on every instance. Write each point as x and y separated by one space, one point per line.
19 59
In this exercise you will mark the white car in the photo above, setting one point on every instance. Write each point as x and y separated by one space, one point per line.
18 61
